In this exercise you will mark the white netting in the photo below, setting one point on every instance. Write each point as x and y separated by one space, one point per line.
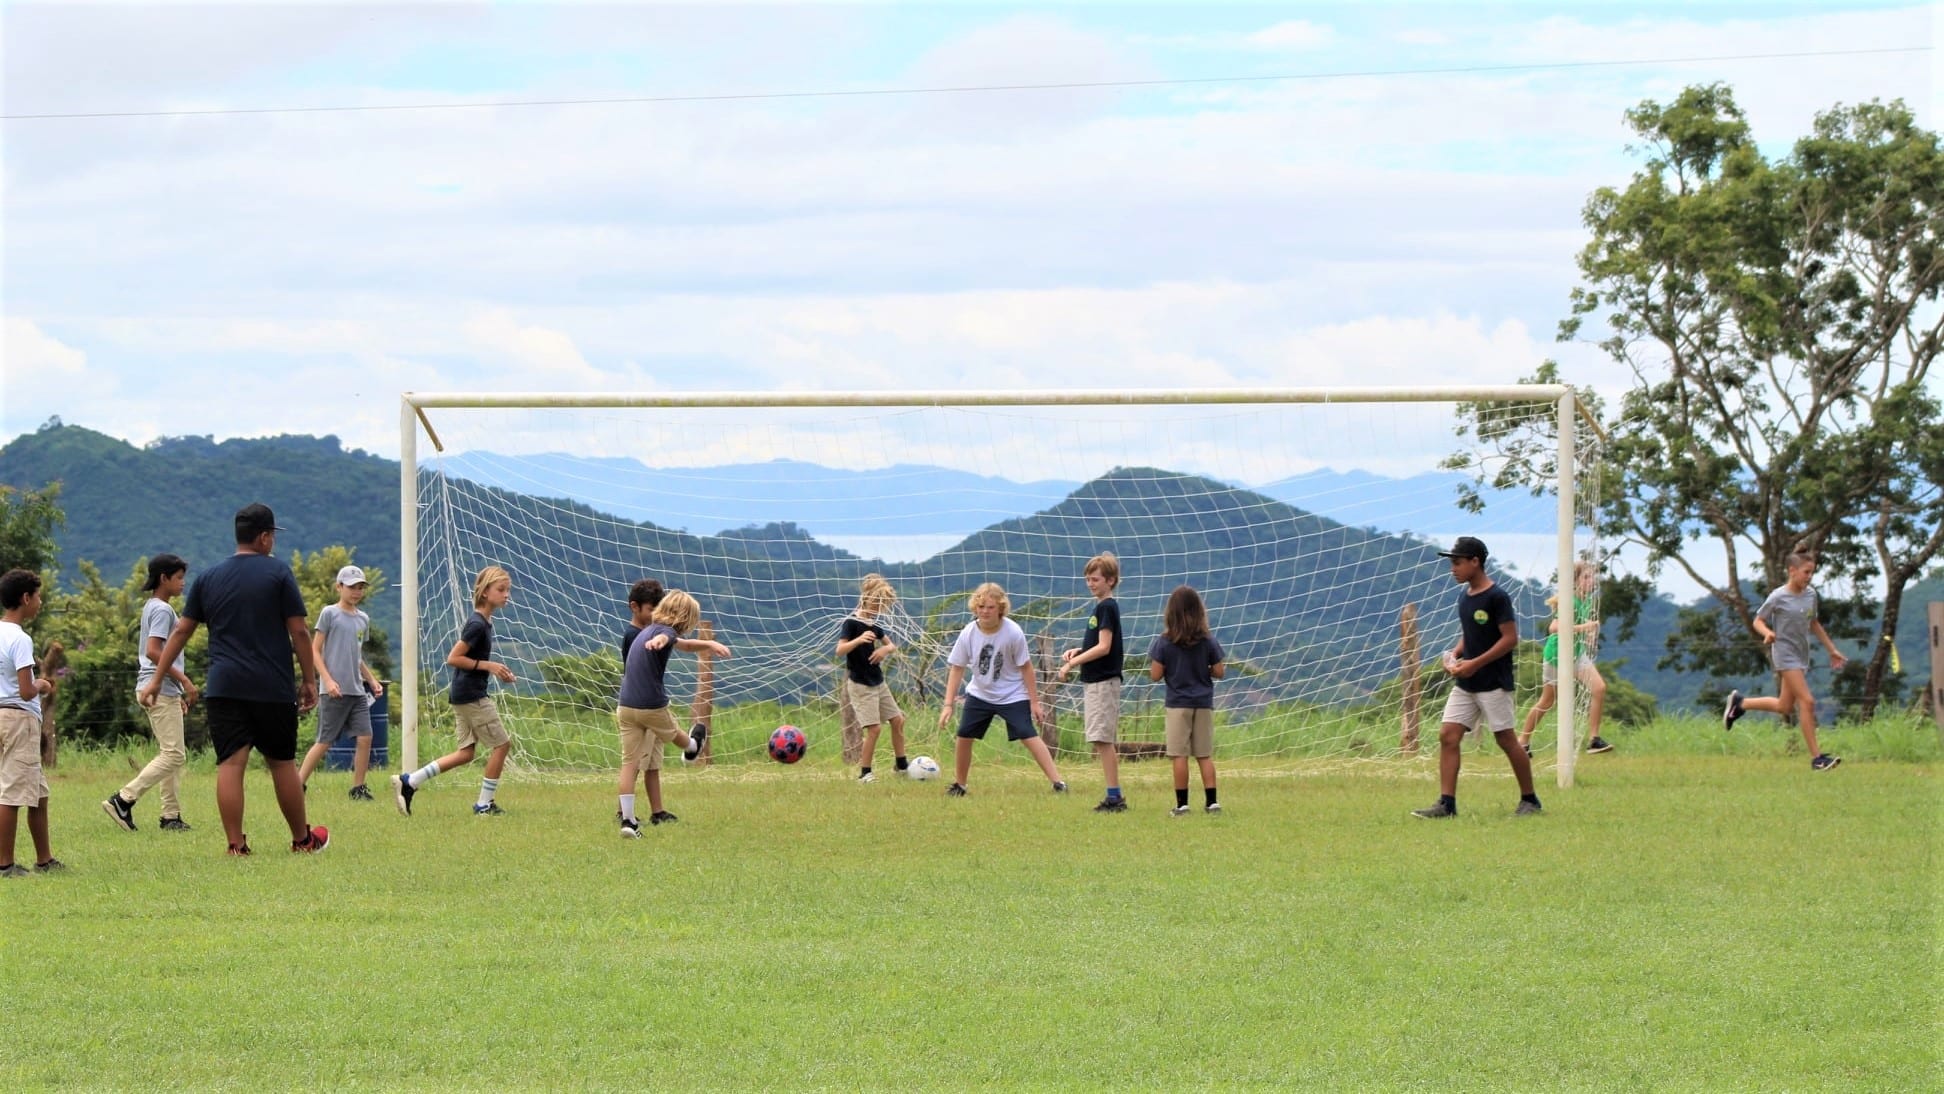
1308 529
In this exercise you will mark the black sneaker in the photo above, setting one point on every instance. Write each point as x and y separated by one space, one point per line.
1111 805
1598 744
361 793
1824 762
630 829
698 736
121 812
15 870
1732 710
1059 788
238 850
402 792
662 817
1436 812
955 791
174 824
50 866
1527 809
490 809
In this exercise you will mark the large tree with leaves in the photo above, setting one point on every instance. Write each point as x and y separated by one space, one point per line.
1780 318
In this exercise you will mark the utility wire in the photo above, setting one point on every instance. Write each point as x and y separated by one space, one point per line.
969 89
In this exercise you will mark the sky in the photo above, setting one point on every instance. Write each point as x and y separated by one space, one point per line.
1399 205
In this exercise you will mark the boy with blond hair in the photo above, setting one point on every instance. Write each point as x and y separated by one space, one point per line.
23 784
992 651
1099 658
645 717
478 717
864 645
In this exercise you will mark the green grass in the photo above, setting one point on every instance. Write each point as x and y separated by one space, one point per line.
1675 921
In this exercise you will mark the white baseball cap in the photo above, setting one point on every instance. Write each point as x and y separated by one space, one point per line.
351 575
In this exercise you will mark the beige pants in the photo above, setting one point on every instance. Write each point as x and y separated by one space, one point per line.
164 773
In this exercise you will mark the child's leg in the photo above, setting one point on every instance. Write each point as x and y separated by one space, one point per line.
1548 695
897 737
1515 752
1207 765
1596 688
165 722
652 777
625 784
1451 741
496 760
1044 757
1180 773
1109 754
868 759
37 828
290 798
9 830
1795 691
229 793
961 759
311 759
360 760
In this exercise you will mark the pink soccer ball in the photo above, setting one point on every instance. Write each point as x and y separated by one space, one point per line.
788 744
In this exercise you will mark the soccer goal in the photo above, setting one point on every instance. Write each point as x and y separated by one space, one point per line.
1309 519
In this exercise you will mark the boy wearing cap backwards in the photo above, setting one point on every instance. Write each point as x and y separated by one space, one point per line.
256 623
166 575
345 686
1481 664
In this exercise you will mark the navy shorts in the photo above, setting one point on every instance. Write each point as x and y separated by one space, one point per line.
237 724
978 714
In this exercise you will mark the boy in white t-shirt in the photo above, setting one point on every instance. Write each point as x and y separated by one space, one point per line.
992 651
22 782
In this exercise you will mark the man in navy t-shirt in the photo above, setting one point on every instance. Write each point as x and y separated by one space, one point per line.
256 622
1481 665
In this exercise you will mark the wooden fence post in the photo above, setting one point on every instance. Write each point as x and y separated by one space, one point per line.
1407 655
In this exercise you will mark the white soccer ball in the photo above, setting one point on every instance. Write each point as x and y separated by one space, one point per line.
922 768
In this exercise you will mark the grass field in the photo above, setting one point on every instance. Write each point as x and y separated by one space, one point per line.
1676 921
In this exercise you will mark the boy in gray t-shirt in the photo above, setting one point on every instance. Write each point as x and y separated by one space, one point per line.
1785 622
166 575
345 686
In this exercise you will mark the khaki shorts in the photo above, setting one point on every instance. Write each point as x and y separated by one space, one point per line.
1467 707
1549 672
645 734
1191 731
22 782
871 703
1100 707
479 724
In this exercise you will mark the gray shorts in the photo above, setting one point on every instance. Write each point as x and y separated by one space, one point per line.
1468 708
348 716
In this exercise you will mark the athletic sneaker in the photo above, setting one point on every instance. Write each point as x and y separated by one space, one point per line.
121 812
1526 808
1111 805
361 793
1059 788
1732 710
867 777
630 829
1824 762
49 866
955 791
1178 811
402 792
1435 812
1597 744
174 824
1213 807
490 809
318 839
698 736
15 870
663 817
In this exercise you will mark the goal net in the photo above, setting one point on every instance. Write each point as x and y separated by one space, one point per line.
1309 521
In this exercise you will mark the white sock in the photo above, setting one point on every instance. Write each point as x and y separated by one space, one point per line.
627 807
486 789
424 774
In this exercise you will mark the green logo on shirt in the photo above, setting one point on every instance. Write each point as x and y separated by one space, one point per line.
1479 617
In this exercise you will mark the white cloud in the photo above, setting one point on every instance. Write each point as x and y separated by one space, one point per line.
1291 36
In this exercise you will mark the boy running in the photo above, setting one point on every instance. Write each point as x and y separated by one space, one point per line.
1785 621
478 718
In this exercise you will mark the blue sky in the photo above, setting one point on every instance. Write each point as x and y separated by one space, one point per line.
251 274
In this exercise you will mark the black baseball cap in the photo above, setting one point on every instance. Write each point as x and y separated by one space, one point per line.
1466 547
253 520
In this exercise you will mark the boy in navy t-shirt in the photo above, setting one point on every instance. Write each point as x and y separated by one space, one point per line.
1481 663
1099 658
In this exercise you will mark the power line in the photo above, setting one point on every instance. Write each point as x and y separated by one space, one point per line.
1084 85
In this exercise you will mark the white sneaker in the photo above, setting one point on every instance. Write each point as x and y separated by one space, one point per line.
1178 811
1214 807
867 777
630 829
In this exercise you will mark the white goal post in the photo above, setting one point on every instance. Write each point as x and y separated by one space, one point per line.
413 418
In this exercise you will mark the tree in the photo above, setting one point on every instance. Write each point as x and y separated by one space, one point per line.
27 522
1780 319
99 625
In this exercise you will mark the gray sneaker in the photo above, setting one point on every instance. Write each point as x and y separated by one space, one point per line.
1435 812
16 870
1527 809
